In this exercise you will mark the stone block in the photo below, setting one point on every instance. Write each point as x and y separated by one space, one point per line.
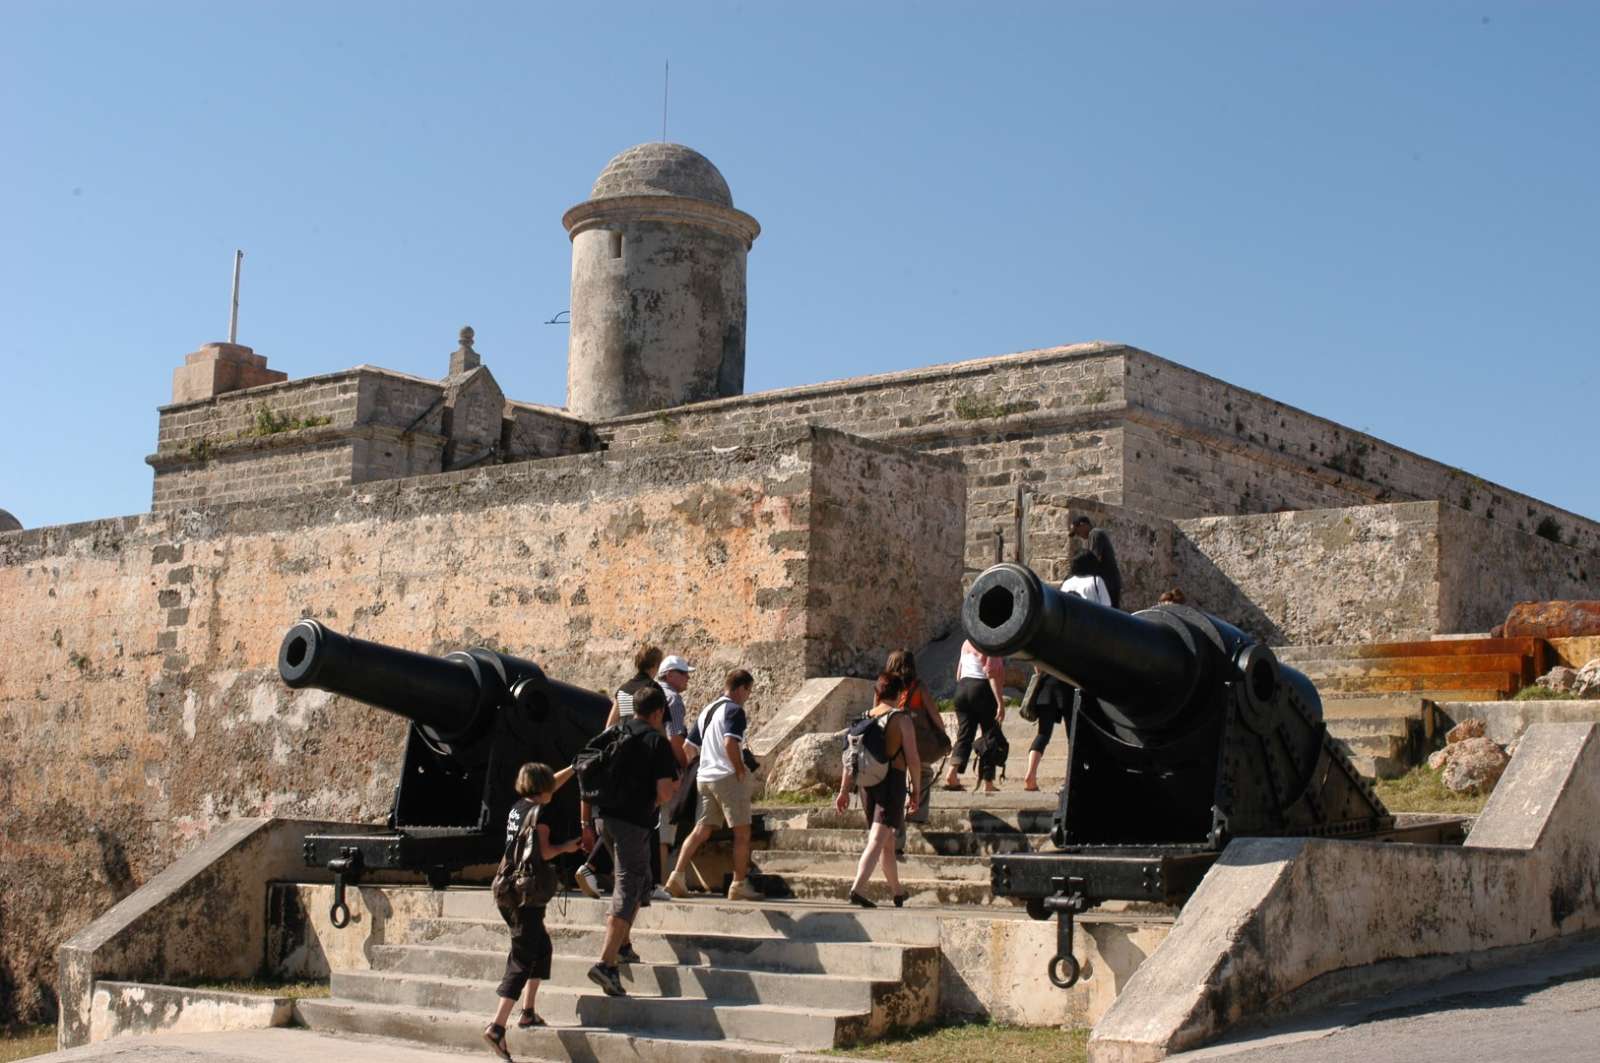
217 368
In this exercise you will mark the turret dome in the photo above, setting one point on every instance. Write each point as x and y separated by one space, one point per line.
662 169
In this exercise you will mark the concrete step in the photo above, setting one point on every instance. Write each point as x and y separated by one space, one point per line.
1011 812
924 893
691 1017
1498 684
1379 747
1359 726
1454 664
835 992
778 863
795 921
918 842
453 1029
1372 767
771 952
1293 655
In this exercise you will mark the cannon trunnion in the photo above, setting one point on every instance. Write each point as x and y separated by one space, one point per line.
1185 733
476 717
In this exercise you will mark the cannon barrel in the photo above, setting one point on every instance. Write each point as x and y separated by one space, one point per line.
440 693
1149 664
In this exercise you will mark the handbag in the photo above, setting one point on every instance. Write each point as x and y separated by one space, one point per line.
992 750
1028 710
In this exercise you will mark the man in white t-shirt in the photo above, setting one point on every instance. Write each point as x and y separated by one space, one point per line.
724 786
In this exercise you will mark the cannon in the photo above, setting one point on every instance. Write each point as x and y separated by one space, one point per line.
476 717
1185 733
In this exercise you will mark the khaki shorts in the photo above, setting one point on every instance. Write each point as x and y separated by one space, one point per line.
725 802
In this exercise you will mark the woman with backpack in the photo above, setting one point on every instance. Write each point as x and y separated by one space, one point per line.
933 741
522 887
887 801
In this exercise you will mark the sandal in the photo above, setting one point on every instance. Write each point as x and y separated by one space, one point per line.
529 1019
951 786
900 899
1031 789
495 1037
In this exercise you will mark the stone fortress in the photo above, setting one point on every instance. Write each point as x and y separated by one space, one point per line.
802 532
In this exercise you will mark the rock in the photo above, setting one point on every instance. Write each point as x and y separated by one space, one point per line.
1511 748
1553 620
1586 682
1560 679
1437 760
1464 730
811 764
1474 766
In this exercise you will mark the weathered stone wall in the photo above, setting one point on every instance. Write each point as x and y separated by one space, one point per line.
141 706
1371 573
1362 574
1208 448
1485 568
1042 421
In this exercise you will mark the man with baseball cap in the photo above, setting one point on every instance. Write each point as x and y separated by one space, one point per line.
673 678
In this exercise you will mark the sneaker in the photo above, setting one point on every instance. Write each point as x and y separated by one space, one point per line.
659 894
587 882
495 1037
627 954
607 979
741 890
676 886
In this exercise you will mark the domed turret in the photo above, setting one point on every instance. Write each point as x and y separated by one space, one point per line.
8 522
658 285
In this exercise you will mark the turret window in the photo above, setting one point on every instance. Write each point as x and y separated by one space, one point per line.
616 244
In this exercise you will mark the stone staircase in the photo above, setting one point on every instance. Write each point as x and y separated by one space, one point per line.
1378 698
811 852
718 981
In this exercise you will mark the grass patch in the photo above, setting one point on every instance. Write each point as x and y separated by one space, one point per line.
1539 693
24 1042
978 1040
268 423
265 988
793 797
1422 790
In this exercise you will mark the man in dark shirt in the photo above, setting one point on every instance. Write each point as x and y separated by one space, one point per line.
1099 544
647 772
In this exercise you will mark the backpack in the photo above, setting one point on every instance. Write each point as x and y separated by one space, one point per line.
596 768
866 753
992 750
524 878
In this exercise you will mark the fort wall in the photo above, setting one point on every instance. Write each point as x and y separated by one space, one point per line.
142 707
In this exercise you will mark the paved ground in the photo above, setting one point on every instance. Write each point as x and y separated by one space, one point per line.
1547 1009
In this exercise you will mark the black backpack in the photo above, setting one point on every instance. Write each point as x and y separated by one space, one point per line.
524 878
992 750
596 768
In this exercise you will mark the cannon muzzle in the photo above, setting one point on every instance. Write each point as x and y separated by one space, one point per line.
1148 665
440 693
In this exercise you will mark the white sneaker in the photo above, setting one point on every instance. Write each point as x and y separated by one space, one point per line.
743 891
659 894
587 882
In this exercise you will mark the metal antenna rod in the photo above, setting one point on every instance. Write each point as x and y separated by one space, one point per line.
233 316
666 80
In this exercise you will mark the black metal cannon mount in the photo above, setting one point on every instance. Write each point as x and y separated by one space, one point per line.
476 717
1185 733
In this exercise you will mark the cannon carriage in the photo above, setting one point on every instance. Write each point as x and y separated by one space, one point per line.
1185 733
476 717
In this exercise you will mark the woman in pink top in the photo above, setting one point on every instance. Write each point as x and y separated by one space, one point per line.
980 703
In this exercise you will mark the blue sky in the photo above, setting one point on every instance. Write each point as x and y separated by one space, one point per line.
1383 213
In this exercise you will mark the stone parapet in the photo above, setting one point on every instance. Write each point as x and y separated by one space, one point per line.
220 367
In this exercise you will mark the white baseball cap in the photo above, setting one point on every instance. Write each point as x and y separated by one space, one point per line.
674 664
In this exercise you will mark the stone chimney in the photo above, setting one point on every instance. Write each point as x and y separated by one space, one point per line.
218 368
